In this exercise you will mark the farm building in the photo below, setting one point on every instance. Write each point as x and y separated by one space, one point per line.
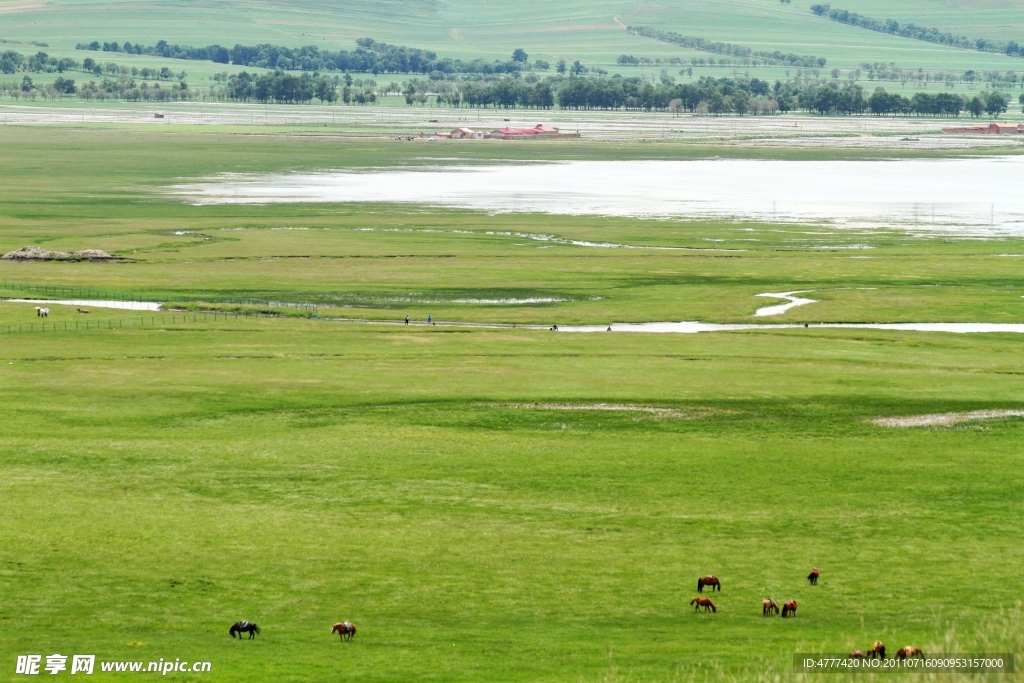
990 129
540 130
467 134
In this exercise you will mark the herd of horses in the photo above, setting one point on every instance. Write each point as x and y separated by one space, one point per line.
879 651
345 629
769 606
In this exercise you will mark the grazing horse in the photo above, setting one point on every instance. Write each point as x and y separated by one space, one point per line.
767 605
703 602
244 627
909 651
83 310
789 608
858 654
710 580
878 649
813 576
346 630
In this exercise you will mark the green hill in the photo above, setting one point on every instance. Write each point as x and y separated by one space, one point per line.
591 31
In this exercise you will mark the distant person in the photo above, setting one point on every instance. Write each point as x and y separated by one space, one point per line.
429 320
406 320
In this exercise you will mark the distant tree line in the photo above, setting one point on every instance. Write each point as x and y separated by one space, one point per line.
278 86
882 103
931 35
40 62
369 56
11 62
122 88
758 57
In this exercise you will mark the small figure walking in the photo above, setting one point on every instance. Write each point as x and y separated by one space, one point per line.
406 320
429 320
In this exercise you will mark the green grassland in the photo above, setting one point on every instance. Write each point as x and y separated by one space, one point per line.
458 492
571 30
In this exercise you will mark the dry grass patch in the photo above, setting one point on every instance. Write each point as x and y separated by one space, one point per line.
656 412
944 419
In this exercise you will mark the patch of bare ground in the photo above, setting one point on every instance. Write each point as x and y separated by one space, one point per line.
651 411
944 419
29 253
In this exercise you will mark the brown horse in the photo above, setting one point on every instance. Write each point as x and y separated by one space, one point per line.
346 630
710 580
789 608
244 627
813 576
858 654
767 605
909 651
877 649
83 310
703 602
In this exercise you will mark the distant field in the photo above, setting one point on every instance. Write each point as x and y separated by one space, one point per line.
570 30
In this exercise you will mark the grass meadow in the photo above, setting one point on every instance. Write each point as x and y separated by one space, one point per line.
466 496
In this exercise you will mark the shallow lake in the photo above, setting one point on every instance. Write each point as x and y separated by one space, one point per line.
969 195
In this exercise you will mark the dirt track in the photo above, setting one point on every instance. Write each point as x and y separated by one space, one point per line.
790 130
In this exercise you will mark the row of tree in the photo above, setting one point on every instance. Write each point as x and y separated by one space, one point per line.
719 96
123 88
40 62
882 103
368 56
759 56
929 34
11 62
278 86
714 96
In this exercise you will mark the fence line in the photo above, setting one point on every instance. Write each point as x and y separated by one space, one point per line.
120 323
108 295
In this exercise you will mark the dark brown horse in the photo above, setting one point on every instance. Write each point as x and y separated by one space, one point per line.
767 605
244 627
705 603
346 629
789 608
710 580
813 576
909 651
878 649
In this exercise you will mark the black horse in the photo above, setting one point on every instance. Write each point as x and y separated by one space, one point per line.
244 627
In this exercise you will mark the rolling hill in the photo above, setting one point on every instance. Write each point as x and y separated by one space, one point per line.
592 31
